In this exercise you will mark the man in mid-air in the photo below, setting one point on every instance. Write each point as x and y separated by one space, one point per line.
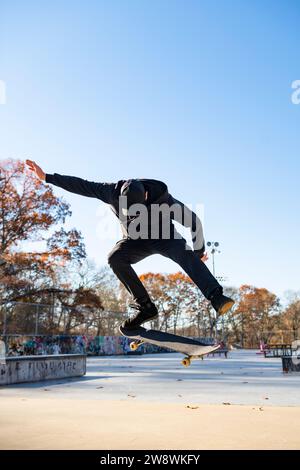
146 211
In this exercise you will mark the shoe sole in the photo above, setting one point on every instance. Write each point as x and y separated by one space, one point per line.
150 319
145 321
226 307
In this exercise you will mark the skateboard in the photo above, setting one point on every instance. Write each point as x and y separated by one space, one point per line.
191 348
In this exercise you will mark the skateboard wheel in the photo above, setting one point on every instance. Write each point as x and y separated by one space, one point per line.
186 362
134 346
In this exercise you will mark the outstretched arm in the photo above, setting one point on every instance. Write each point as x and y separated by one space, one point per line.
103 191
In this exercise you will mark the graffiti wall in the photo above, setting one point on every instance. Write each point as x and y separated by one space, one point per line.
19 345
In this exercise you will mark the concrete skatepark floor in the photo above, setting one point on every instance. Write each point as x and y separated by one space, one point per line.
244 378
163 396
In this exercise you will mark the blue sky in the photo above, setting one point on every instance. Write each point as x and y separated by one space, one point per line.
195 93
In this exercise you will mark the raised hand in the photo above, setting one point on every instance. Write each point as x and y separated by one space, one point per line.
36 169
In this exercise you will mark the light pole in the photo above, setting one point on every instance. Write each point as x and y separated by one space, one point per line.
214 249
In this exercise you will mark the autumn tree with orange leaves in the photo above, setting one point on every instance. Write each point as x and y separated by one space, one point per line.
170 292
31 212
257 314
182 307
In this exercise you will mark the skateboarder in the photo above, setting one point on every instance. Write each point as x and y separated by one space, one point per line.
146 211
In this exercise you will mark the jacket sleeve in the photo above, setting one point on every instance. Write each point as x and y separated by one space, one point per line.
188 218
102 191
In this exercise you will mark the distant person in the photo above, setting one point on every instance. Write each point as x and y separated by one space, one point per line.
146 211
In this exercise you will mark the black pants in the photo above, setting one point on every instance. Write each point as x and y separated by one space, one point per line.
128 252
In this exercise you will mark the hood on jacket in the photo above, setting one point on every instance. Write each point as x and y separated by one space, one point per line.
157 191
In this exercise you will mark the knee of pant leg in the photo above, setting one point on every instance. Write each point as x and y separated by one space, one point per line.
111 259
114 259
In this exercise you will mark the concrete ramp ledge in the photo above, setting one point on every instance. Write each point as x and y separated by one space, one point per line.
22 369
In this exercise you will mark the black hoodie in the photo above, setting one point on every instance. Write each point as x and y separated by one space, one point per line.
157 194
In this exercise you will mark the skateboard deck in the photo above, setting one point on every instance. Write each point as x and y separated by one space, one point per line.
192 348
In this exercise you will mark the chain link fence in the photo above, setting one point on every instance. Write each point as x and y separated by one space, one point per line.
25 318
